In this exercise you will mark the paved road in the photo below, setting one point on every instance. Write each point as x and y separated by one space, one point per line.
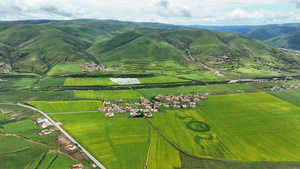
66 134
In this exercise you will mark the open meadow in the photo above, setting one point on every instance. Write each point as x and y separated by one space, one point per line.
107 94
89 82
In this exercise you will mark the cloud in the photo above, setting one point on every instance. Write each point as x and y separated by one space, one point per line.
56 10
163 3
296 3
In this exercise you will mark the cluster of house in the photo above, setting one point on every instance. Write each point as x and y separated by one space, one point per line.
285 87
5 71
43 123
181 101
92 66
221 59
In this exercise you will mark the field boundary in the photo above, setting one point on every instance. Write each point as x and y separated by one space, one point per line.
149 147
66 134
214 159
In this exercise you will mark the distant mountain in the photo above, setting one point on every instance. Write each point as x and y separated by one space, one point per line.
289 40
240 30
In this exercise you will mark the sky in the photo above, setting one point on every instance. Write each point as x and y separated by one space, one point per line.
178 12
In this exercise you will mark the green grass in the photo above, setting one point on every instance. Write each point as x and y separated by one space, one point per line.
107 94
50 156
62 161
18 82
88 82
248 127
161 79
162 154
205 76
116 142
13 160
64 68
67 106
51 82
188 89
20 126
290 96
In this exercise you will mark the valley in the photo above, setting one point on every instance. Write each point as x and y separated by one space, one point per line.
142 95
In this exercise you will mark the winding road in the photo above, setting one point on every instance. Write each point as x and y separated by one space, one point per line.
66 134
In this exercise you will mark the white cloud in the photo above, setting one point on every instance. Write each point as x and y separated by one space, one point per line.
214 12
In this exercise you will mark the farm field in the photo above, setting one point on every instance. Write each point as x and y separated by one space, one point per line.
290 96
188 89
51 82
115 142
67 106
18 82
248 127
161 79
10 159
207 77
107 94
160 152
89 82
64 68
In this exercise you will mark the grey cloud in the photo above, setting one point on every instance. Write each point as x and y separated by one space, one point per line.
296 3
185 13
164 3
55 10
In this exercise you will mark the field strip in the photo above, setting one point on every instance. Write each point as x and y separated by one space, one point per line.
149 147
72 112
18 150
213 159
66 134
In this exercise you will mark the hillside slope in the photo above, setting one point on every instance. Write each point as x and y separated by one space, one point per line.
290 40
147 49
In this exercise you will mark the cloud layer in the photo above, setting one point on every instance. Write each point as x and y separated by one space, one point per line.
202 12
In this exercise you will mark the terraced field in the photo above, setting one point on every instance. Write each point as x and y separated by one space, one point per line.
88 82
249 127
107 94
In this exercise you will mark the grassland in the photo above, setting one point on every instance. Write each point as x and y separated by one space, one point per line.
89 82
17 83
20 126
203 76
10 159
66 106
290 96
107 94
51 82
203 89
64 68
161 79
249 127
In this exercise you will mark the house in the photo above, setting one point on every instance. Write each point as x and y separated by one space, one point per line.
167 106
121 111
145 110
119 100
106 102
184 106
196 99
71 148
176 102
5 71
192 106
77 166
43 123
154 110
109 115
169 98
133 114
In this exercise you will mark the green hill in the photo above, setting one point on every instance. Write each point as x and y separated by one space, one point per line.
147 49
290 40
270 31
38 46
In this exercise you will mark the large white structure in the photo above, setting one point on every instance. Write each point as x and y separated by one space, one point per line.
126 81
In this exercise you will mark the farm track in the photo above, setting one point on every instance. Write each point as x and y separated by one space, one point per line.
213 159
149 147
66 134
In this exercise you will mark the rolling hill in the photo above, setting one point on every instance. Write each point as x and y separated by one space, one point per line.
289 40
33 46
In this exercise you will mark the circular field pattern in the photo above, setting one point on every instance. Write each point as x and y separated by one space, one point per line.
198 126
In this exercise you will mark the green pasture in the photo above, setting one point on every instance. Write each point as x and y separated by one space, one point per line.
290 96
64 68
45 162
62 161
188 89
248 127
67 106
161 79
51 82
205 76
20 126
89 82
107 94
119 142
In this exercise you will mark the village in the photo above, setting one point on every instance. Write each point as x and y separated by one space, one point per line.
145 107
6 69
92 66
